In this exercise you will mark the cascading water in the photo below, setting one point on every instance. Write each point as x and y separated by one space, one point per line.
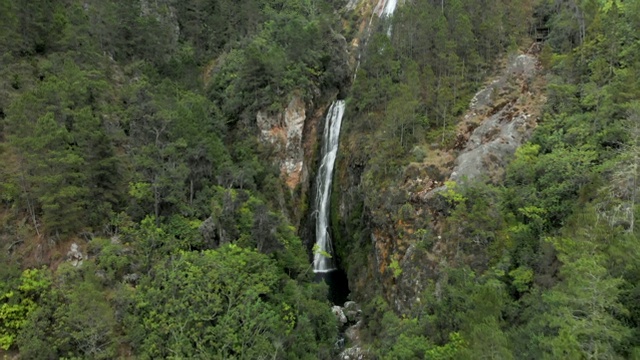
321 262
390 7
323 266
388 10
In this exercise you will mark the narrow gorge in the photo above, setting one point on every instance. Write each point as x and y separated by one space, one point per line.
324 263
335 179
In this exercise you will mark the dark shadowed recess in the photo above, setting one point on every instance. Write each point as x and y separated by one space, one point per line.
338 285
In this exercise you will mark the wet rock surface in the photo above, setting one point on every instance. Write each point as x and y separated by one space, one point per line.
350 317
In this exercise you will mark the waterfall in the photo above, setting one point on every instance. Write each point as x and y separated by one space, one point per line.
322 263
330 137
389 7
384 8
388 10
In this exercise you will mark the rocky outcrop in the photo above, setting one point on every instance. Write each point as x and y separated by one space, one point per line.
351 5
403 262
350 317
354 353
294 132
349 314
507 123
75 256
501 117
165 13
492 145
212 234
284 130
354 349
339 314
352 311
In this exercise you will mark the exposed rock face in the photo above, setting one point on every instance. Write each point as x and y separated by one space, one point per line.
209 232
339 314
507 124
164 12
213 234
352 311
294 131
131 278
354 353
284 130
74 255
501 117
351 4
491 146
350 317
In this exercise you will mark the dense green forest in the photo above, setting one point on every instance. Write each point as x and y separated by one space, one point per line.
545 263
128 127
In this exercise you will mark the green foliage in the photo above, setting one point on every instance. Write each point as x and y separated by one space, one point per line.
222 290
212 305
17 304
395 268
449 351
451 194
120 129
73 320
410 87
522 278
586 301
128 124
316 250
112 258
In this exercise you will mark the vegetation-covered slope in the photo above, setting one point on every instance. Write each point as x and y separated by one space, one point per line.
542 264
128 130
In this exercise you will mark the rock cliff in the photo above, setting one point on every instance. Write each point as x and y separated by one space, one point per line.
284 130
500 118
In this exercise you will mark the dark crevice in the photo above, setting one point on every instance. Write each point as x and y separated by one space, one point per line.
338 285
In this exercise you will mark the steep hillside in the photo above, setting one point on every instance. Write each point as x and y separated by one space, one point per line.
155 159
500 224
501 118
158 160
403 132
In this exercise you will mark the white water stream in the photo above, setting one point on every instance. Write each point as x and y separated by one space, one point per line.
389 7
321 262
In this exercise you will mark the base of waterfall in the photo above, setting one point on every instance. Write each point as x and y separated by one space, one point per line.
338 284
349 317
324 271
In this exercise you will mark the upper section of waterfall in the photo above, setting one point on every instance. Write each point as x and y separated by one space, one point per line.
322 261
389 7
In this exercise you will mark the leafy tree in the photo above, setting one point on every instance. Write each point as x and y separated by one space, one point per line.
19 302
73 320
224 307
619 207
583 307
